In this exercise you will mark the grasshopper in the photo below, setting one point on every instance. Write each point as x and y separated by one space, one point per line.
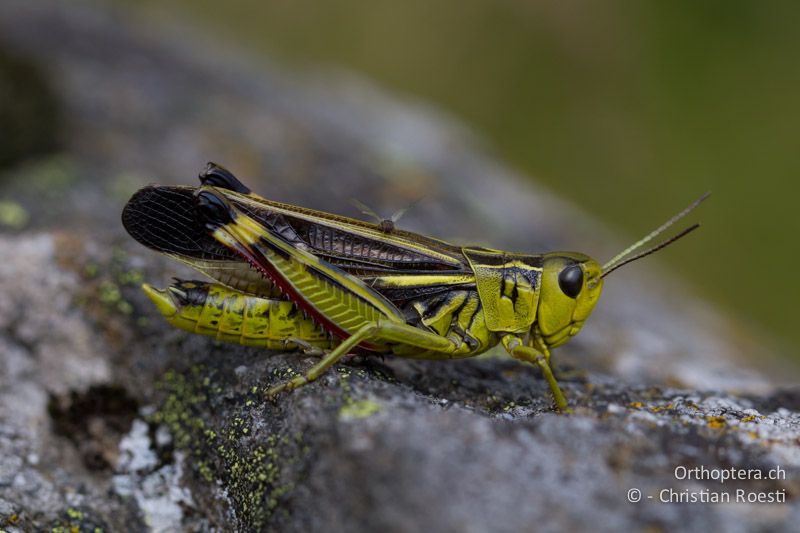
288 277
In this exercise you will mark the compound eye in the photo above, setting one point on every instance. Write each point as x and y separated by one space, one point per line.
571 280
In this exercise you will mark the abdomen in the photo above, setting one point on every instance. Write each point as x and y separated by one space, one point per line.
233 316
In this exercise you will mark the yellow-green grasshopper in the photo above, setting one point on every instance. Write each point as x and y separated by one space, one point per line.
291 277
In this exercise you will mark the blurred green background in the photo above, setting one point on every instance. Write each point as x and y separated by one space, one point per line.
629 108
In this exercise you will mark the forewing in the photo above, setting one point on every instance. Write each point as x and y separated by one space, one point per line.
400 265
164 219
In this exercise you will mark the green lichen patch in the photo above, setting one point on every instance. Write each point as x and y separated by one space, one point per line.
240 451
11 520
347 373
357 409
74 520
13 215
109 283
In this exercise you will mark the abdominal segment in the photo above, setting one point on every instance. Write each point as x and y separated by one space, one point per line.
229 315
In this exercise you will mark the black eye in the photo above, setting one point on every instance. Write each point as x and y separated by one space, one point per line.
571 280
212 209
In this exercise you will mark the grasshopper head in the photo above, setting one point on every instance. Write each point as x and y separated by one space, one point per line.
571 285
572 282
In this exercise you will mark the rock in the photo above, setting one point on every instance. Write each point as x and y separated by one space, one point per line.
110 419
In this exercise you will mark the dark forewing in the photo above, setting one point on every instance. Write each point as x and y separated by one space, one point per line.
165 219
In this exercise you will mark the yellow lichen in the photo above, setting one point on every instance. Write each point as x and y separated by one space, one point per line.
252 476
359 409
13 215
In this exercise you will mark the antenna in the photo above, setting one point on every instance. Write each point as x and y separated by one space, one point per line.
621 258
650 251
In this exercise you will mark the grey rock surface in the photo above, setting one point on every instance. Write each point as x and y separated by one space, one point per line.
109 419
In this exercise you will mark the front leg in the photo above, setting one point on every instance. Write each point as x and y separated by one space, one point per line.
540 358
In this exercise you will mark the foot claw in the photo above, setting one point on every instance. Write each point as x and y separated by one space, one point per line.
290 385
274 391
